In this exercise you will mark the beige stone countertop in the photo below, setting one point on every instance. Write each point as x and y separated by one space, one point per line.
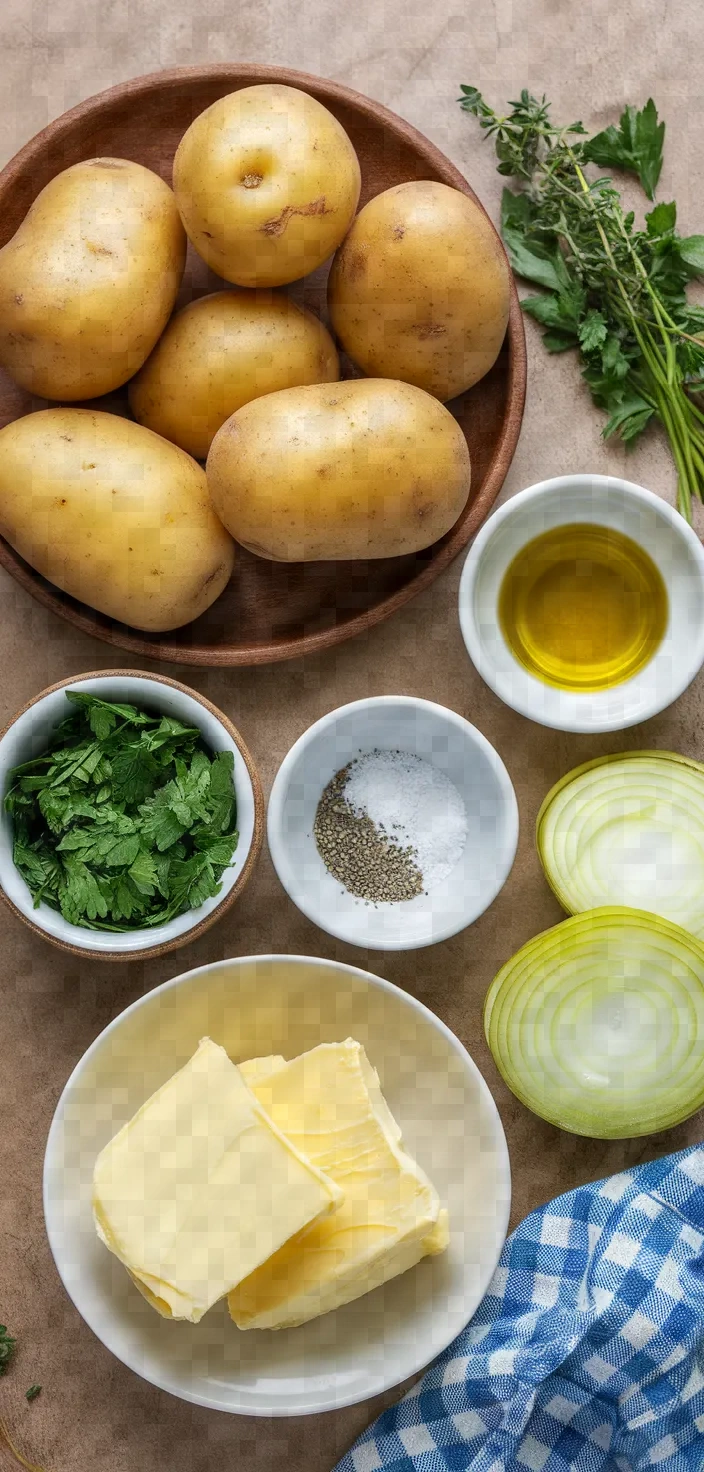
95 1415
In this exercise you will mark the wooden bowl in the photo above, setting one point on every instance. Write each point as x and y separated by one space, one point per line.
28 732
269 611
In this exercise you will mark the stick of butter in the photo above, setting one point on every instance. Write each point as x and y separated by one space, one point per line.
330 1105
200 1187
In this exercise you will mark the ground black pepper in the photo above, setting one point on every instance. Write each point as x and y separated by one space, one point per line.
358 854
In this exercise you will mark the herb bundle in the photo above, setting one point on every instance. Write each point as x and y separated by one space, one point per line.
127 820
614 292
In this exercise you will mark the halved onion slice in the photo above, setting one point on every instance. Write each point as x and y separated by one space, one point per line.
598 1024
628 830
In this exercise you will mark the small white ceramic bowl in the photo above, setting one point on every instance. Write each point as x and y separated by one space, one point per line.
646 519
285 1004
438 735
28 735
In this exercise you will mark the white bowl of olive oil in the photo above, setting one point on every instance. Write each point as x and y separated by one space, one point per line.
582 603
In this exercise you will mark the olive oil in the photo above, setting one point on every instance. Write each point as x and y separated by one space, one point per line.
583 607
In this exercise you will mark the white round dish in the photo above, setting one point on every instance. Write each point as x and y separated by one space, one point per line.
451 744
261 1005
28 735
608 501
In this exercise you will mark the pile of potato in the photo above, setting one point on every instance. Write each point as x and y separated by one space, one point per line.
299 466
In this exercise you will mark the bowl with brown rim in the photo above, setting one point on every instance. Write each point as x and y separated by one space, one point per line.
270 611
28 735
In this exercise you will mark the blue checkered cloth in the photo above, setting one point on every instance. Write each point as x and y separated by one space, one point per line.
587 1352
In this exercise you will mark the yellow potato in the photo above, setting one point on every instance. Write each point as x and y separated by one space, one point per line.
365 468
419 290
114 515
88 281
267 183
220 352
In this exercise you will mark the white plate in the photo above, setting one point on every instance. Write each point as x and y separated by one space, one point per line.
271 1004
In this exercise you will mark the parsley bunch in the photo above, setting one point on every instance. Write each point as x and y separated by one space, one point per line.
126 821
614 292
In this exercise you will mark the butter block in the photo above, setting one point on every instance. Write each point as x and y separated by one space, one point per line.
201 1186
255 1070
329 1104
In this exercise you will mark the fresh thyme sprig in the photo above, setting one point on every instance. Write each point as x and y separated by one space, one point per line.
614 292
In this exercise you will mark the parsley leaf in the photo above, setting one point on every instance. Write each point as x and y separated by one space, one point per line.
80 893
662 219
125 899
192 881
126 821
629 418
559 311
7 1348
142 872
135 773
636 145
160 825
593 331
99 710
691 251
531 261
222 791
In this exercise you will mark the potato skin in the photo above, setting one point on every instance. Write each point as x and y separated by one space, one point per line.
221 351
267 183
363 468
88 281
114 515
419 290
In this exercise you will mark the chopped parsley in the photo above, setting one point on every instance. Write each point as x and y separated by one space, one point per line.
126 821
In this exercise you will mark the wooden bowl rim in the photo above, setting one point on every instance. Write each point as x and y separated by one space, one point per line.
151 952
276 650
